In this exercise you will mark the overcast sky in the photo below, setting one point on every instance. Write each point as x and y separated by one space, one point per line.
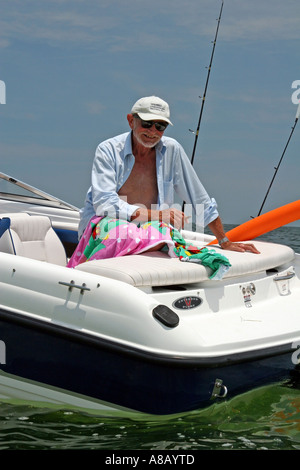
73 69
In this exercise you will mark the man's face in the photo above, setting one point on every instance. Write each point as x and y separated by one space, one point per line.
147 137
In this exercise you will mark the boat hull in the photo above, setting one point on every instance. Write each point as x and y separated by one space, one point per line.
118 377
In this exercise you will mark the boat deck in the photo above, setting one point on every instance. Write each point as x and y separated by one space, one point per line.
158 269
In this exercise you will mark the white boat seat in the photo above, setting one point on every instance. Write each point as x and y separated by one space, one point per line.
158 269
32 237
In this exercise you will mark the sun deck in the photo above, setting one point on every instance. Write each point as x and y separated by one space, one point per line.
158 269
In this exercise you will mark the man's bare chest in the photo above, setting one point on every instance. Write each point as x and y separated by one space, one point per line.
141 185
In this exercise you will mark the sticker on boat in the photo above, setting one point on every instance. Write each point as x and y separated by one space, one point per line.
187 302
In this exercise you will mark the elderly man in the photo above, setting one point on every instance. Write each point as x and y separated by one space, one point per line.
135 176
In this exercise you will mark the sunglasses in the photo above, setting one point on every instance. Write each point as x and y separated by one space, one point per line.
160 126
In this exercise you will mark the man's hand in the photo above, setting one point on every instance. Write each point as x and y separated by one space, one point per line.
174 217
242 247
217 229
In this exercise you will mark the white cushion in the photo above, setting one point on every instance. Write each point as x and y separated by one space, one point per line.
158 269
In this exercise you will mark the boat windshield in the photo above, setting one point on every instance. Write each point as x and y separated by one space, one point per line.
12 189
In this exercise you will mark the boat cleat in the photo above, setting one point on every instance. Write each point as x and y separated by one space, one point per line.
282 281
219 390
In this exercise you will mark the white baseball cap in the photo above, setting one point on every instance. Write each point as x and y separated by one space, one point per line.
152 107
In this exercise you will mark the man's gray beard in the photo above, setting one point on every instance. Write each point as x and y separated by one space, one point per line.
147 145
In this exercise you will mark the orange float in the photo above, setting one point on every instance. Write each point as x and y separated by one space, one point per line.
264 223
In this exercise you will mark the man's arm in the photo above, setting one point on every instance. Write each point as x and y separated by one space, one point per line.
217 229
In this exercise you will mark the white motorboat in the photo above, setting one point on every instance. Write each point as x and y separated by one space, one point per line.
144 333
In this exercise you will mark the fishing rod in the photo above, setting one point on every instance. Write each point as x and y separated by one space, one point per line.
205 90
277 167
206 85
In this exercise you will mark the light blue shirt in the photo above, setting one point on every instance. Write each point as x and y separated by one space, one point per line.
112 166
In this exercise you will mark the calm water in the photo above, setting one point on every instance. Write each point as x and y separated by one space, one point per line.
264 419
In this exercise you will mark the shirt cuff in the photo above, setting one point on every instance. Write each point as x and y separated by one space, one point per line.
210 213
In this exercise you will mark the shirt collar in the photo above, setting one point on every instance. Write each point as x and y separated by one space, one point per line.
160 146
128 145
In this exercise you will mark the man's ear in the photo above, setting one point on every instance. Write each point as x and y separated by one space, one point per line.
130 120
